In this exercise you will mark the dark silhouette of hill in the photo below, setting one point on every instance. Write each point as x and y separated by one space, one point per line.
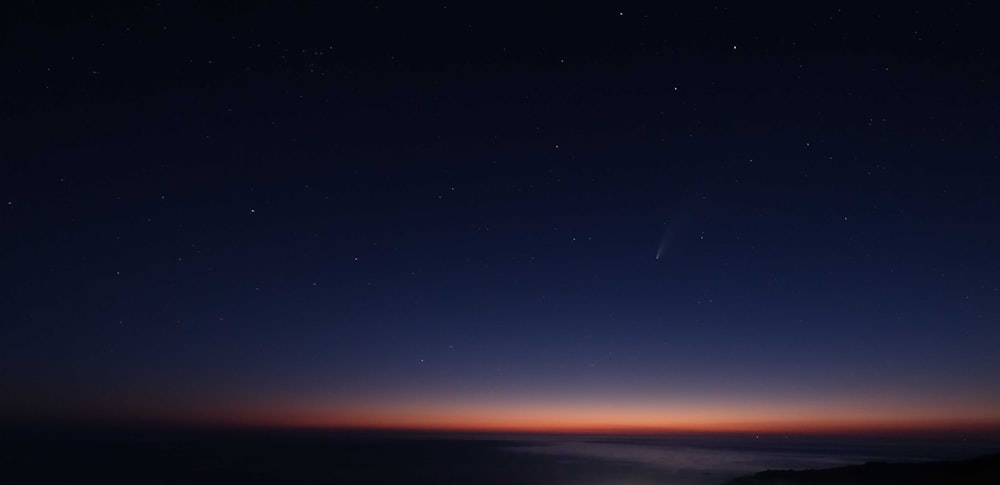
984 470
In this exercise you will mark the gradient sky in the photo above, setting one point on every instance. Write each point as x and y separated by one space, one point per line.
365 214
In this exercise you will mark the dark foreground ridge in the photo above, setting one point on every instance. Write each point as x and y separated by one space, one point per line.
984 470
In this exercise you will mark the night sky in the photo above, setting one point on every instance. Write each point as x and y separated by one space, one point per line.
497 216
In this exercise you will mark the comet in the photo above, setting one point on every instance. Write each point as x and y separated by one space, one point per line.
668 236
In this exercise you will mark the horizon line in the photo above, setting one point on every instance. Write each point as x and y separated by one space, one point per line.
965 428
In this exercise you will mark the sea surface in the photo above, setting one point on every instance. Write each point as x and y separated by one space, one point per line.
158 457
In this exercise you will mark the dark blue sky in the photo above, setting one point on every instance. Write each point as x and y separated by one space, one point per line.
368 214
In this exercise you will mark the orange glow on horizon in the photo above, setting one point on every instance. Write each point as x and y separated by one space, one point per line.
559 416
597 419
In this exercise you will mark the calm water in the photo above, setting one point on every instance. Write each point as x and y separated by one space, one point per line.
712 460
221 458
